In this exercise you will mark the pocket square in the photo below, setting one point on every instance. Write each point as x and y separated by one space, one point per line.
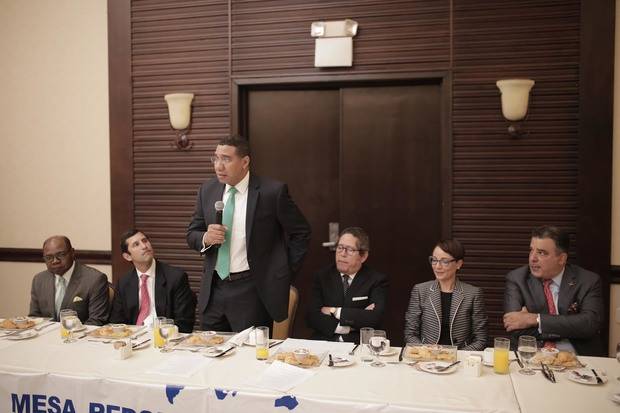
77 298
359 298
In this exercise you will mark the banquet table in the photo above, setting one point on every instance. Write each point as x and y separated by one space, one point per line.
42 374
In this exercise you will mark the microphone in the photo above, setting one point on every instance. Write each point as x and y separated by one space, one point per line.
219 207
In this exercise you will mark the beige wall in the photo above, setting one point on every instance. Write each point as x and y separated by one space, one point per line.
54 162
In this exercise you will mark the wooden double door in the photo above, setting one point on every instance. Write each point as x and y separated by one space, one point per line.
368 156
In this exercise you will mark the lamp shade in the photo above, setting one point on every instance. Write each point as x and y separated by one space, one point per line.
179 109
515 97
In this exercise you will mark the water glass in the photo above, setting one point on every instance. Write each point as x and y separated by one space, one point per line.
500 355
365 334
70 322
158 341
527 350
261 335
165 330
377 344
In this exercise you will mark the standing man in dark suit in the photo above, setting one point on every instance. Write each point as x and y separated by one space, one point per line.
560 303
67 284
152 289
249 260
347 295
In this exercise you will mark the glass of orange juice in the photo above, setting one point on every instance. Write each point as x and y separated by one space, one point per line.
262 342
500 355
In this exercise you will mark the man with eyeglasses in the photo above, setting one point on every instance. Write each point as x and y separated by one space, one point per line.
251 257
347 295
560 304
68 284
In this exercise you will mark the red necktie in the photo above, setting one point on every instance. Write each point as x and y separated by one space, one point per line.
145 300
550 306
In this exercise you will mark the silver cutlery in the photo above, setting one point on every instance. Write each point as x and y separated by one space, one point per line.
43 325
352 352
331 361
581 376
226 351
444 368
275 343
400 355
598 379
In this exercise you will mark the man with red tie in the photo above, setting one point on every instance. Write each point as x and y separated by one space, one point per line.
152 289
561 304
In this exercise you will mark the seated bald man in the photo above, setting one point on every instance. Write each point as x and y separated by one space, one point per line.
68 284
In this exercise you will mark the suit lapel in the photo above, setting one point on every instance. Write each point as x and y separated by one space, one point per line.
538 295
160 290
457 299
49 291
435 299
567 289
76 278
133 307
253 191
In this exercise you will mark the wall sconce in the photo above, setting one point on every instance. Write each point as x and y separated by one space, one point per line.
333 43
180 112
515 97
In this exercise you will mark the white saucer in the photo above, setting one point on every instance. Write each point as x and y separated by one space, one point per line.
429 367
23 336
573 375
213 352
342 361
389 352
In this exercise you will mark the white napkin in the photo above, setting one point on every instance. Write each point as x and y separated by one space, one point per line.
239 338
281 376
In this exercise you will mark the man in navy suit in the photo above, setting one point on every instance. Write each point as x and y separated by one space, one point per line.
347 295
561 304
152 289
251 257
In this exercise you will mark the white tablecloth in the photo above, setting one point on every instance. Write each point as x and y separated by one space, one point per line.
88 374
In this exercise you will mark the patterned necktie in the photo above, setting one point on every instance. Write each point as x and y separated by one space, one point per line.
61 287
223 253
550 306
145 300
345 283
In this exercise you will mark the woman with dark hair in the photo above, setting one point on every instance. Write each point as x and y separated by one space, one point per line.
446 310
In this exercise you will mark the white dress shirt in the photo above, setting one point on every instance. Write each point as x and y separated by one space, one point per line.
238 248
150 286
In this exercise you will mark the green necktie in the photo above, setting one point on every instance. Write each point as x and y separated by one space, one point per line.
223 253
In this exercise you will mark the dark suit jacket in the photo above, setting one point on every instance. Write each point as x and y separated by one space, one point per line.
87 294
468 319
580 307
277 236
173 297
368 286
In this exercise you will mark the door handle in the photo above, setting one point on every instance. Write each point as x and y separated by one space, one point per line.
334 231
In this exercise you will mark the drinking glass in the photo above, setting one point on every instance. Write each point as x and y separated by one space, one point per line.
527 350
158 341
165 329
261 335
377 344
70 322
500 355
365 334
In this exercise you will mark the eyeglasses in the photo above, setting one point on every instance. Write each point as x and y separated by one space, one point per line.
346 250
58 256
444 261
223 160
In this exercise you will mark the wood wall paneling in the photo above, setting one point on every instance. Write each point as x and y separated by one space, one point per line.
498 187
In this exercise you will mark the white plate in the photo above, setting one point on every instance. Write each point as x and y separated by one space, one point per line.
429 367
390 352
37 321
341 361
216 351
574 375
23 336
